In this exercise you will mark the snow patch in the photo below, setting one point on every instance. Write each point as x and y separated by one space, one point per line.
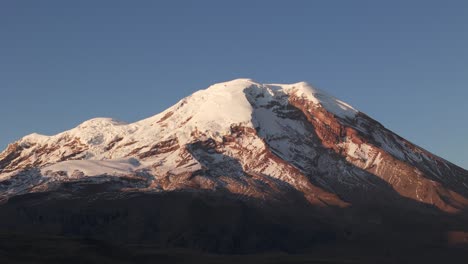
94 167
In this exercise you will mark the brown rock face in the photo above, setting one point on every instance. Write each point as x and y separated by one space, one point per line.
30 155
8 157
410 179
161 147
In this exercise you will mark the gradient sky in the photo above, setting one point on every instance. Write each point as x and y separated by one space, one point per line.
404 63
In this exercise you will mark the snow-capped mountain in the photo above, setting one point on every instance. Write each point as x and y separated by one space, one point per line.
250 139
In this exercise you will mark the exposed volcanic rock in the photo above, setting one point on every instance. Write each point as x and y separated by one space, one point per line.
359 145
7 157
161 147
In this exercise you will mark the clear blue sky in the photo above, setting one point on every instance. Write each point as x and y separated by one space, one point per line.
405 63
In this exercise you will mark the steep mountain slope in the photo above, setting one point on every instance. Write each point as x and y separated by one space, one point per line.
256 140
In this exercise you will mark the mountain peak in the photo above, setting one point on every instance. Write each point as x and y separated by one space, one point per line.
240 81
300 89
211 110
287 132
